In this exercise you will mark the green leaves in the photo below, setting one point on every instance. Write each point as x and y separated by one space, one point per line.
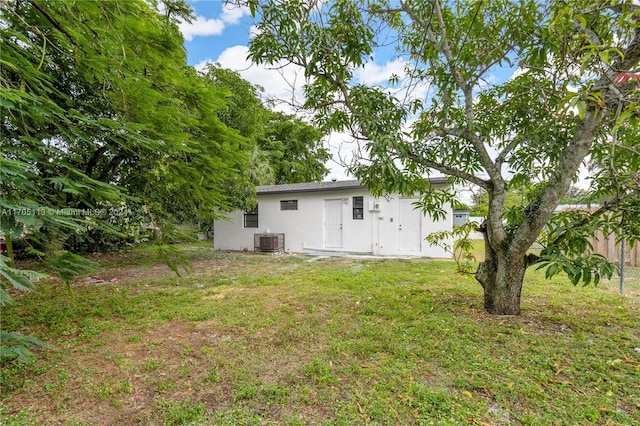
458 243
587 268
103 97
569 247
70 265
294 148
15 346
285 148
20 280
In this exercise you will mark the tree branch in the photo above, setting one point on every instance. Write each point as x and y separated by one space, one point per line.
446 169
51 20
443 47
93 161
591 35
539 211
502 156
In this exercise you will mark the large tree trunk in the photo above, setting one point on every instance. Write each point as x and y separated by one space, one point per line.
501 275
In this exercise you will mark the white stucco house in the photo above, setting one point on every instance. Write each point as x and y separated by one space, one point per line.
340 216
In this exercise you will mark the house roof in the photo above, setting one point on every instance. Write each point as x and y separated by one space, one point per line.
339 185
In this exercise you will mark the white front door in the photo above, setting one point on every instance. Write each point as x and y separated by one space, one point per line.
333 223
409 226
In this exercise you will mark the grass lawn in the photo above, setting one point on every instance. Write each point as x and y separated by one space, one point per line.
292 340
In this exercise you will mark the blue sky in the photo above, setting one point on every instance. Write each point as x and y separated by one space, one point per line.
221 33
215 29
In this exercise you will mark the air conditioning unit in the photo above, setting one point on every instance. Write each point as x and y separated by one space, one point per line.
268 242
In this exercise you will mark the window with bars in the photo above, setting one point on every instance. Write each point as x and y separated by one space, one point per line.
251 218
358 208
289 205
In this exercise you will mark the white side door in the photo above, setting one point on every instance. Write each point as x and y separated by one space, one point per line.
409 226
333 223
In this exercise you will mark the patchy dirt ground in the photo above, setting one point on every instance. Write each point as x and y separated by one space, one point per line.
127 272
137 370
248 337
121 379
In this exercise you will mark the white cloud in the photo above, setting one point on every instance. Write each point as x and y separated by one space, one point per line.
235 58
232 14
282 82
373 73
253 31
517 73
344 152
201 26
487 82
200 66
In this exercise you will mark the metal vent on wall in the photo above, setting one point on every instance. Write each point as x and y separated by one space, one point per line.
268 243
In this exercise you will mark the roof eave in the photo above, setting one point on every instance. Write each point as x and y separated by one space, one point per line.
324 187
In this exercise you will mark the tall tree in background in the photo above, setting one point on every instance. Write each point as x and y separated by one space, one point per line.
286 149
295 149
573 100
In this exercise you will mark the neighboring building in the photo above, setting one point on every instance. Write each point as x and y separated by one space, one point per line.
565 207
460 217
340 216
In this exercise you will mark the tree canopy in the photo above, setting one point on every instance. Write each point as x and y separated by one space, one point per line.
100 105
572 101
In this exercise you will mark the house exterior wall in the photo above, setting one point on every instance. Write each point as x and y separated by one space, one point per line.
379 232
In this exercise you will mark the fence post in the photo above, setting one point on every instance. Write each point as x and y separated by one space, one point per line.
623 246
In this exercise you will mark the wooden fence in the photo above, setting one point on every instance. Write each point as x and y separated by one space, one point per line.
607 246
